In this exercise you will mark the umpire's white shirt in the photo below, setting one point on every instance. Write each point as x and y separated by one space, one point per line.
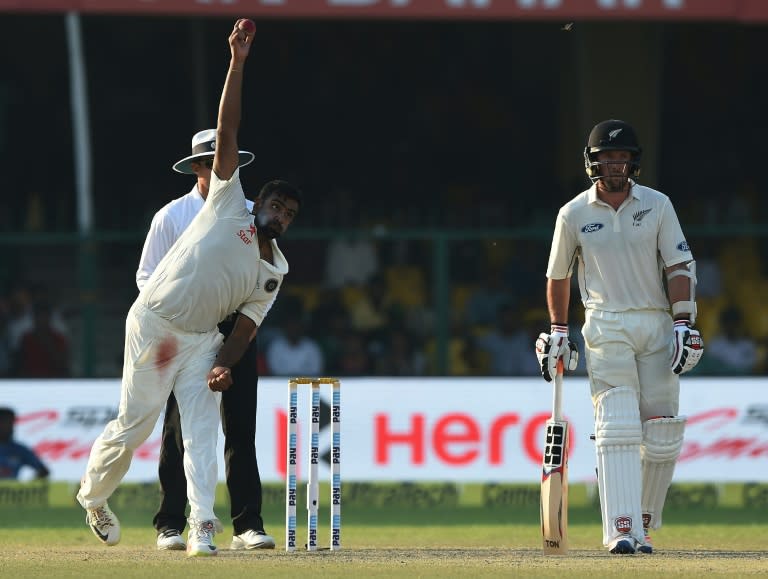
167 226
212 271
621 252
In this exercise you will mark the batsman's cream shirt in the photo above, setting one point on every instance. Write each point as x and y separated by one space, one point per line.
215 268
622 252
167 226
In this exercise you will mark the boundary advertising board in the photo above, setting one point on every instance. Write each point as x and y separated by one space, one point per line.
417 429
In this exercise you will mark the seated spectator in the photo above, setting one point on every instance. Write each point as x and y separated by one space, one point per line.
510 344
13 455
464 358
484 302
373 312
350 261
399 356
43 351
354 358
21 314
709 277
5 352
731 350
294 352
331 325
522 271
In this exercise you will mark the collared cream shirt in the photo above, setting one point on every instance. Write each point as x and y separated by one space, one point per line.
167 225
621 253
215 267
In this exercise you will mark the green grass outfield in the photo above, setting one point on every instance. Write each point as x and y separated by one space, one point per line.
394 530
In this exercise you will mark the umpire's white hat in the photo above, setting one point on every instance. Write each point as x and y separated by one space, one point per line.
203 145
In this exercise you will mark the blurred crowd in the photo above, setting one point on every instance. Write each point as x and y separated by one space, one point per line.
410 132
358 306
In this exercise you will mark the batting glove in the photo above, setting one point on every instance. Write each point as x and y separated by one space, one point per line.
687 347
554 346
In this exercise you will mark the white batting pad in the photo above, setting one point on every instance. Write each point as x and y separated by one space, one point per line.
662 443
618 435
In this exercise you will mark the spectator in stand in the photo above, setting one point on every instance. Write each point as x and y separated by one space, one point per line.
464 357
400 355
13 455
374 311
507 345
43 351
731 350
21 314
709 278
484 302
5 353
350 261
354 359
294 353
330 323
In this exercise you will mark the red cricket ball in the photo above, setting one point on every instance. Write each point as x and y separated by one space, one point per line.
247 26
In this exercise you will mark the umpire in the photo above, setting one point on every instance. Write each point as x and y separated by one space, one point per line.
238 405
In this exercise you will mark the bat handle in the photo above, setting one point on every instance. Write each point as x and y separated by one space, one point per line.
557 393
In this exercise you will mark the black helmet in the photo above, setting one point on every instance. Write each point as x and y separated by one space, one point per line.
611 135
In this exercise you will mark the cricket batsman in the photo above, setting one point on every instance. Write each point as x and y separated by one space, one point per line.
637 280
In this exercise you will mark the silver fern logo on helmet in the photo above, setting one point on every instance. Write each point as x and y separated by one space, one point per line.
611 135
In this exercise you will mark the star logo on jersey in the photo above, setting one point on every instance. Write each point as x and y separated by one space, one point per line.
637 216
247 236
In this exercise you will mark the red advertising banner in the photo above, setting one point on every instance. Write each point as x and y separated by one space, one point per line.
745 11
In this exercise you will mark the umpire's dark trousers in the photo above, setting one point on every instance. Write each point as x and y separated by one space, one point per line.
238 421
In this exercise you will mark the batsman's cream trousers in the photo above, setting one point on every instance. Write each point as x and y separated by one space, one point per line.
633 349
159 359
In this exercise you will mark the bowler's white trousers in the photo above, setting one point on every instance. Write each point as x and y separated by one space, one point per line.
159 359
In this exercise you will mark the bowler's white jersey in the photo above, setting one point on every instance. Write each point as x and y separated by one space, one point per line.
621 252
214 268
167 226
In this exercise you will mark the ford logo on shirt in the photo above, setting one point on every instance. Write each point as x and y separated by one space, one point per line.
591 227
683 246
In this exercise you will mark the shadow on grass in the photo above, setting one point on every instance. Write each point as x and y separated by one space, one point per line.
64 517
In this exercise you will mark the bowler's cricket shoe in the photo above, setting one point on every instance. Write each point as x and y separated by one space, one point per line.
200 539
623 546
251 539
170 540
646 546
104 524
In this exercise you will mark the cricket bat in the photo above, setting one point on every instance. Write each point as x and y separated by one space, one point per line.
554 476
